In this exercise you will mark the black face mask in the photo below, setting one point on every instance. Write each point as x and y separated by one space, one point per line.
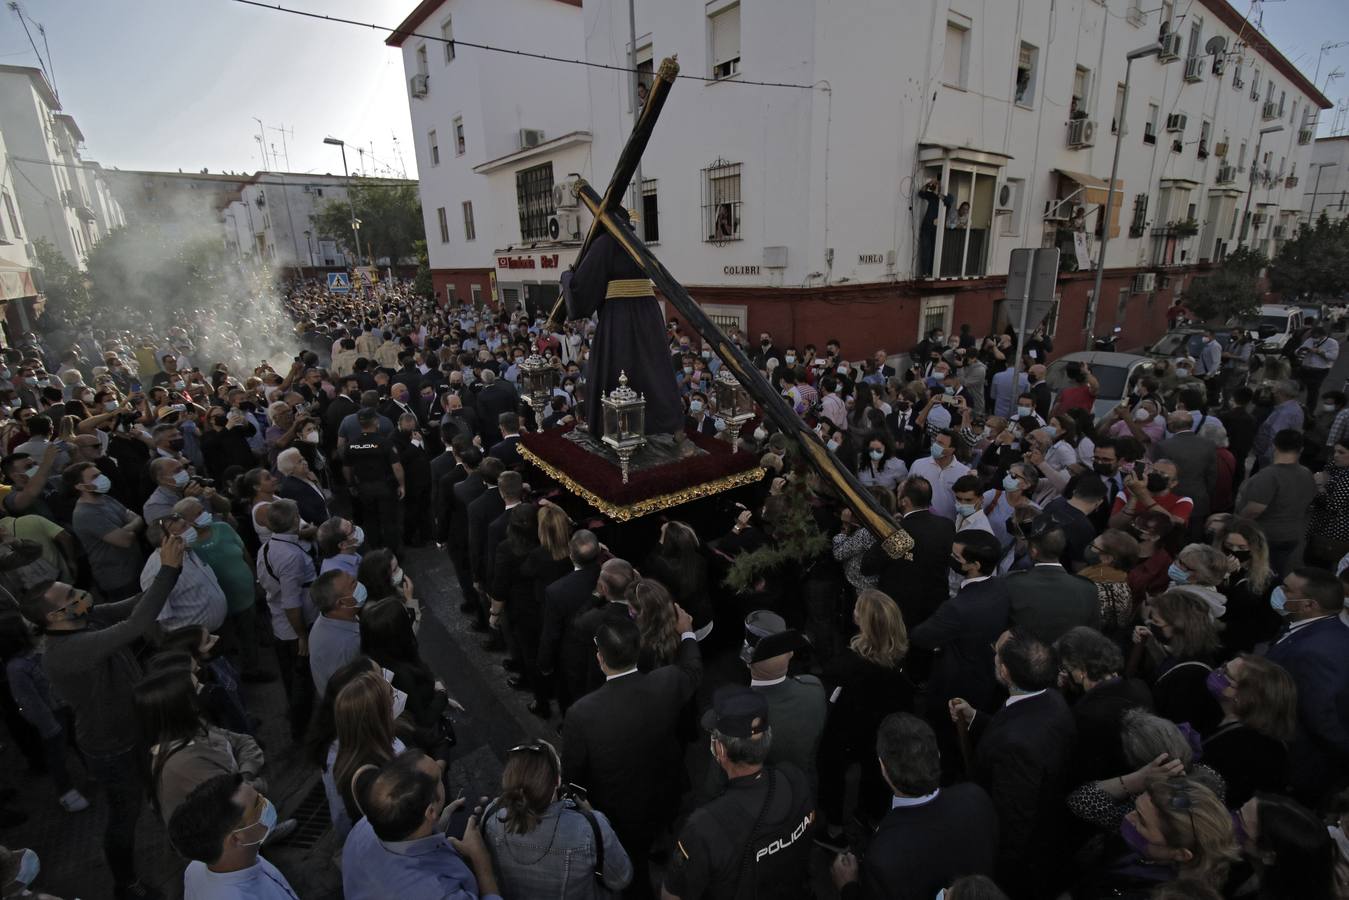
956 565
1241 556
176 445
1104 469
1158 634
1158 483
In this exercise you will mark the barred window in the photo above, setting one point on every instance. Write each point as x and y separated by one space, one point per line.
650 212
534 193
721 202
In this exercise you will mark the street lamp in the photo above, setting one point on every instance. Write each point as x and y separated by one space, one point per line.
355 222
1316 188
1140 53
1255 162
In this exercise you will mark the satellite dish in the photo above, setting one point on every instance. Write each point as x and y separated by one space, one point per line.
1216 45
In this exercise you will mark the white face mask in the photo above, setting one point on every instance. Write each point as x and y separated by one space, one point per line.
1142 415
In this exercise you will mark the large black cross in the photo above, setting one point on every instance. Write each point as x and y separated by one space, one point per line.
895 540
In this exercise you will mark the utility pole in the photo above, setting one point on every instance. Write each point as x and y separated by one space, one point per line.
1255 162
351 204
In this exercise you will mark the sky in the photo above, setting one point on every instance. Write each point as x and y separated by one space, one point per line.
177 84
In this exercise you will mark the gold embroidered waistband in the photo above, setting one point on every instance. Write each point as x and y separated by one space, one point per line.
628 287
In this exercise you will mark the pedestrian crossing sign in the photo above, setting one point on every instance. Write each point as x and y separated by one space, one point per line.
339 282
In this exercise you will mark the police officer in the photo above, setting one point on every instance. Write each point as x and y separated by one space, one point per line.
796 703
753 840
370 464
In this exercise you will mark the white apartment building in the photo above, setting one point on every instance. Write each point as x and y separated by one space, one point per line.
58 193
18 288
495 133
773 197
1327 183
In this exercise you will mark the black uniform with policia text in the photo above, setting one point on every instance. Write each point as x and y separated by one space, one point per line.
754 840
372 469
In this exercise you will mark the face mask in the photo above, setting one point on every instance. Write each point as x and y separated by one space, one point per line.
695 406
1158 633
110 405
765 344
1010 483
31 473
267 820
1134 838
1182 372
189 535
181 478
400 702
1278 601
30 381
1142 415
176 446
29 865
1217 683
937 451
1104 469
1158 483
1091 555
707 354
833 446
965 510
1025 411
790 359
1241 556
688 370
569 388
1177 574
1052 431
877 455
1328 407
955 565
760 434
101 483
357 536
720 424
398 576
358 596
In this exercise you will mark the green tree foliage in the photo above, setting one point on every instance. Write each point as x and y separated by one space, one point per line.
1231 290
390 214
1315 262
67 296
796 538
422 283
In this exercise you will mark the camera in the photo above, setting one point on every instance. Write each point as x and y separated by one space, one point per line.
202 480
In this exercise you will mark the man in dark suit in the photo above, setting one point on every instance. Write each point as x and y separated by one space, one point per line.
308 496
481 513
343 405
446 472
1315 651
408 374
1196 462
932 835
1046 599
1022 757
563 656
962 630
918 585
620 742
496 397
510 487
507 449
1090 664
461 495
611 591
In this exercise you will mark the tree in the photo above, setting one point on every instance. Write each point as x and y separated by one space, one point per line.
390 214
67 296
1230 291
422 283
1314 262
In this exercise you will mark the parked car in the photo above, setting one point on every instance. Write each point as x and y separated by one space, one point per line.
1274 326
1185 341
1116 373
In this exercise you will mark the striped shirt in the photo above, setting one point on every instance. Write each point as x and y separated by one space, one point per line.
196 598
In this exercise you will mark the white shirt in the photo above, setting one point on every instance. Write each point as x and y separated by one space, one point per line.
260 881
1017 698
898 802
943 500
766 682
1326 351
976 522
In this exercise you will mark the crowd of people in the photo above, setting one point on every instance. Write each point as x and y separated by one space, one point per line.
1115 664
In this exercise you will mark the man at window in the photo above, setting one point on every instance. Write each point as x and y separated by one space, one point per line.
927 231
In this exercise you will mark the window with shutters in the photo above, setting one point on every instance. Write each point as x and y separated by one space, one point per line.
470 230
724 27
650 212
1139 223
447 35
444 224
459 144
1028 58
434 144
1150 126
13 217
721 202
534 194
956 52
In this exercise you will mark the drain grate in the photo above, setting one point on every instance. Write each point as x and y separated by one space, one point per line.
312 818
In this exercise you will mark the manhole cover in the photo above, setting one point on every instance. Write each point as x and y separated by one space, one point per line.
312 818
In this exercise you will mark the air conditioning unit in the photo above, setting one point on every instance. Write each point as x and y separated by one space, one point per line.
1258 219
1270 110
1219 65
419 85
1290 181
1304 136
1227 174
563 196
1176 122
1170 48
530 137
1004 198
1194 68
1145 283
564 226
1081 133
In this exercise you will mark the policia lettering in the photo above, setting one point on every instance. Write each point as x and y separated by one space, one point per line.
781 844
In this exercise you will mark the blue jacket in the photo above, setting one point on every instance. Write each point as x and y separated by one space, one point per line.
425 869
1317 656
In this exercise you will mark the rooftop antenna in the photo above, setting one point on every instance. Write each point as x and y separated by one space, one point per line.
285 152
397 152
261 138
23 20
41 29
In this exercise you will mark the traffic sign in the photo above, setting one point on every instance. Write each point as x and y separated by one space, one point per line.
339 282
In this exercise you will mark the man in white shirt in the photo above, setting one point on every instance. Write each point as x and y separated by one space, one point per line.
941 469
220 826
1315 358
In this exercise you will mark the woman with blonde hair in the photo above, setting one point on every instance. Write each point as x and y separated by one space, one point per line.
1248 620
654 609
545 842
1174 650
363 714
865 683
543 565
1250 746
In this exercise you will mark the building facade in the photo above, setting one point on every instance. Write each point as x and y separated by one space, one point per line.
1327 184
271 220
63 198
495 133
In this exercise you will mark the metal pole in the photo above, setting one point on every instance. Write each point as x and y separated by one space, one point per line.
1021 329
1250 189
351 204
1110 188
1316 188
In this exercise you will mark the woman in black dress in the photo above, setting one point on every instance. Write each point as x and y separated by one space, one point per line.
1248 619
1249 748
1174 652
866 683
678 563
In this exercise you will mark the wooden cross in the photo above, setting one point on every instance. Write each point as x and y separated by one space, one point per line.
893 538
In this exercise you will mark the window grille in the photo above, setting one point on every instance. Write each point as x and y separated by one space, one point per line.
534 193
721 202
